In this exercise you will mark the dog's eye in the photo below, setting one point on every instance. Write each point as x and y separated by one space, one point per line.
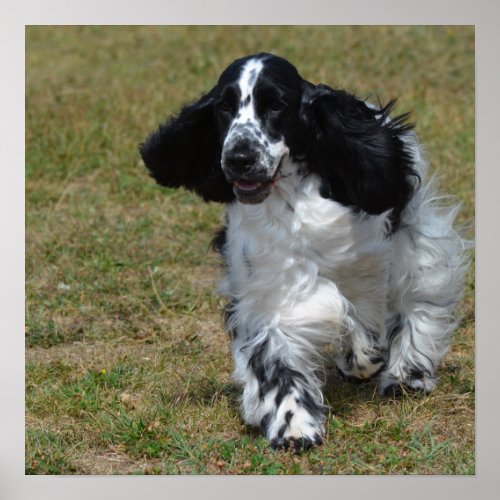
224 106
276 106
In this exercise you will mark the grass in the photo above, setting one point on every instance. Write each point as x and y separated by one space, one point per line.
127 365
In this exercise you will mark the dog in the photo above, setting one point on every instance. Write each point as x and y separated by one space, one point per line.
332 236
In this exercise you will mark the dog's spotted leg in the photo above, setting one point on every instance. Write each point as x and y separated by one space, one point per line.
413 357
284 402
361 354
296 423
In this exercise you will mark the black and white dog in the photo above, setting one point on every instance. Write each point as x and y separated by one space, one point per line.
332 236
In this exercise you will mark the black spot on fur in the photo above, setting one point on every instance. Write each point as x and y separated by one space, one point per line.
308 403
256 363
349 358
376 359
284 389
277 375
282 430
228 313
418 372
273 374
284 378
264 423
219 240
397 325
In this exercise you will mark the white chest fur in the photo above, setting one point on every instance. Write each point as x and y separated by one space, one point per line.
288 256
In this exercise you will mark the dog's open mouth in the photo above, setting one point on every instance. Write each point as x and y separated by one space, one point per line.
252 192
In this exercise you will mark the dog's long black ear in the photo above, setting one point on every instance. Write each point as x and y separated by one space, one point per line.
185 151
359 152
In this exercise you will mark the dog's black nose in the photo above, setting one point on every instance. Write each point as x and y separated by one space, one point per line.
240 161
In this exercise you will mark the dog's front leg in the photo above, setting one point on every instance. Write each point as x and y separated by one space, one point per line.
281 393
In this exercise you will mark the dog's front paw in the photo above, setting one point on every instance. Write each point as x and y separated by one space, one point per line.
413 380
292 427
360 366
296 444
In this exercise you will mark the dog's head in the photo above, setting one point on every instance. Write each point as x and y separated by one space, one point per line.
232 142
257 108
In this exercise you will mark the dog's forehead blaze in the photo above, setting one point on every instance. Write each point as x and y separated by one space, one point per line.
246 84
248 78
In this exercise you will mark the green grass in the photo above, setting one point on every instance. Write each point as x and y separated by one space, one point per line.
127 365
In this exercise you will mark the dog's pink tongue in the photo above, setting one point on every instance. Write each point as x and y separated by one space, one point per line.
247 186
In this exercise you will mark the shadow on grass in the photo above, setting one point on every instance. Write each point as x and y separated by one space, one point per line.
341 396
209 392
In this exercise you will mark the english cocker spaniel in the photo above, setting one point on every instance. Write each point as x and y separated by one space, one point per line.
332 236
